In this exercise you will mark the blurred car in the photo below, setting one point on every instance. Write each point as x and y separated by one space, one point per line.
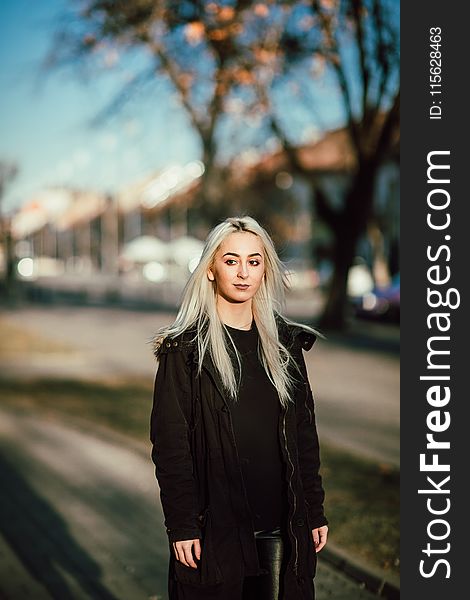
381 303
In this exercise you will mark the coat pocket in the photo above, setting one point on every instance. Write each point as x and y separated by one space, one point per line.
208 571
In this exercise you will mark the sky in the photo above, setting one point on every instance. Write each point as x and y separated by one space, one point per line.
45 118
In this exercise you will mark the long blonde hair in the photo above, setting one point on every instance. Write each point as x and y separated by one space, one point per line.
198 311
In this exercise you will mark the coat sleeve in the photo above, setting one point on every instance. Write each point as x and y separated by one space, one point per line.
171 454
309 450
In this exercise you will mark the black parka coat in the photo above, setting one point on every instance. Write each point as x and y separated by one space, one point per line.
199 474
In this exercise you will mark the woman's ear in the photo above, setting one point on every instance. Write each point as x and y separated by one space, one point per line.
210 275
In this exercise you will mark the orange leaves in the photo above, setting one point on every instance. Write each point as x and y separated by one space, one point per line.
224 24
226 13
222 33
328 4
234 19
222 13
220 23
261 10
218 35
221 88
234 76
185 80
243 76
265 56
194 32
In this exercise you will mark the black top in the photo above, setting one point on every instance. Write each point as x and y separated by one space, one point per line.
255 418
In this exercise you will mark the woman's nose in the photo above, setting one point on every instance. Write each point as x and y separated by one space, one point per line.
243 271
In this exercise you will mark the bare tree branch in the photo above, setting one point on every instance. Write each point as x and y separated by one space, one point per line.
173 73
383 50
364 69
333 56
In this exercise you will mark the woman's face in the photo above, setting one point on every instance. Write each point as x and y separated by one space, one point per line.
238 267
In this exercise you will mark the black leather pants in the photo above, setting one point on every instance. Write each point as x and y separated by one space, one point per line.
271 552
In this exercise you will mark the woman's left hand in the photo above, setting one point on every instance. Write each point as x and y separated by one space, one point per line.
320 535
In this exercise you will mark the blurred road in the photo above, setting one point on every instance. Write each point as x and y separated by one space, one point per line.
80 518
355 379
80 515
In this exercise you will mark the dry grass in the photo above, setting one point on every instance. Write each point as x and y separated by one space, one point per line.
363 507
16 341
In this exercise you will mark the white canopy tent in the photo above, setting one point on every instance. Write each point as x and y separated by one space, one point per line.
144 249
185 250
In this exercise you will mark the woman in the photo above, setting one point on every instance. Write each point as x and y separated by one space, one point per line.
233 430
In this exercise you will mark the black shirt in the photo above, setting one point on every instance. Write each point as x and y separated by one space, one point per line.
255 417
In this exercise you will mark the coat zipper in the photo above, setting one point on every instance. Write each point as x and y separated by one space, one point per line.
292 490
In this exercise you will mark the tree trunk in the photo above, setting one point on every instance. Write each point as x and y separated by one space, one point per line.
8 287
10 266
347 228
334 312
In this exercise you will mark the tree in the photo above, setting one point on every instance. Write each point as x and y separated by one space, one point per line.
357 41
8 172
195 44
229 60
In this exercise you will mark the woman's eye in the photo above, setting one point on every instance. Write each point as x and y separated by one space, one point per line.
231 261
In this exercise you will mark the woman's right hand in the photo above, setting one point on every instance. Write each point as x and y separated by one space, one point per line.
183 552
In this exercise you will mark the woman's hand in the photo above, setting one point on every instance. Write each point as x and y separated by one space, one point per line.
320 535
183 552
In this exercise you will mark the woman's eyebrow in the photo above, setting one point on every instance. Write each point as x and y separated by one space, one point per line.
237 255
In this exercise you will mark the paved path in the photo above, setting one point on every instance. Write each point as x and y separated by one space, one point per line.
80 518
356 388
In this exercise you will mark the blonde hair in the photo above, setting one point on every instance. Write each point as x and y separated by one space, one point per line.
198 310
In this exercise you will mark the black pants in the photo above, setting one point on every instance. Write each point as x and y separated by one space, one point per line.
268 586
271 551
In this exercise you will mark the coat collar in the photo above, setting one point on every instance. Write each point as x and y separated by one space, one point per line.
291 335
294 337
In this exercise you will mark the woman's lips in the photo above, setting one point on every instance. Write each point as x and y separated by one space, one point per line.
242 286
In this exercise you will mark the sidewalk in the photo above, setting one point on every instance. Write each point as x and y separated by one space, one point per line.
356 384
80 519
111 342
